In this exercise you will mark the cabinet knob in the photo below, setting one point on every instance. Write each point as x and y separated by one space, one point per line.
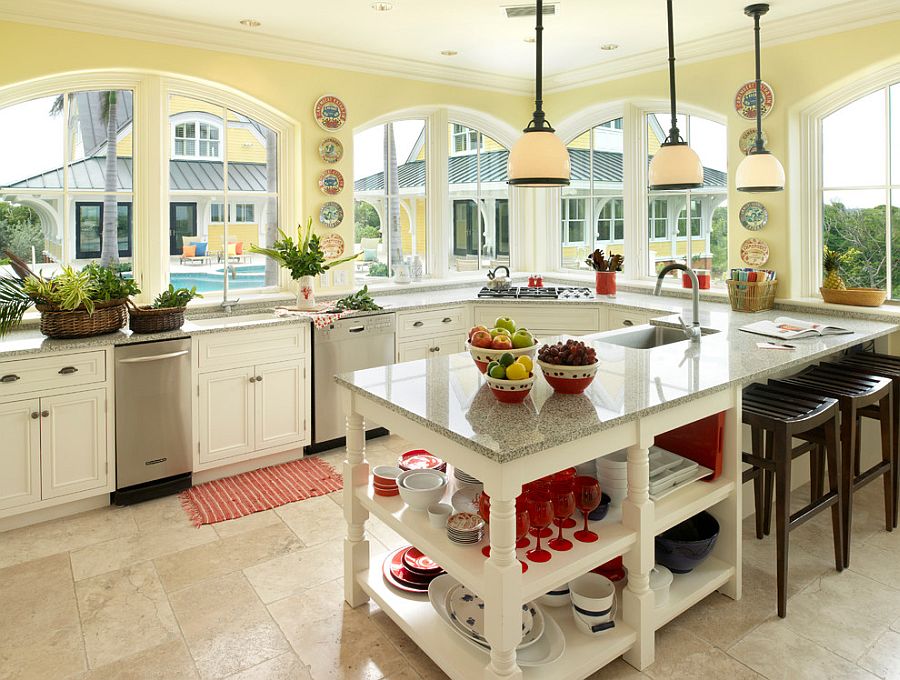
45 414
68 370
252 379
435 349
417 324
11 378
259 378
35 415
628 322
446 319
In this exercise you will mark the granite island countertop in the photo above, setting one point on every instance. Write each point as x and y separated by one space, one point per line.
448 395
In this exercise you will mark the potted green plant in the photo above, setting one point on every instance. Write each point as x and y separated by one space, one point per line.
304 259
165 314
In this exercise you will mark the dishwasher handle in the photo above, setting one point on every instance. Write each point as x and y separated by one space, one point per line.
356 329
158 357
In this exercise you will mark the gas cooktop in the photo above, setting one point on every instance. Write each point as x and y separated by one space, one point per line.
546 293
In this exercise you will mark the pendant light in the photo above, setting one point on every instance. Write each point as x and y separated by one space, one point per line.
676 165
539 158
760 171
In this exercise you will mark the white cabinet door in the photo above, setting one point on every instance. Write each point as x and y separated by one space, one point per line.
73 443
449 344
413 350
280 404
20 461
226 413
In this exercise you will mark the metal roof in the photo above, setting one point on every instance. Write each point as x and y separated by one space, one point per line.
463 169
89 109
88 174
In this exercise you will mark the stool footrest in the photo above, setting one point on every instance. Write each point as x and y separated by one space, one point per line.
806 513
871 474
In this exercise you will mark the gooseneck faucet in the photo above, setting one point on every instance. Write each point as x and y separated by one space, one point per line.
693 332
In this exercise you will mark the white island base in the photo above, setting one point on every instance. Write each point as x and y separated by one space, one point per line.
499 580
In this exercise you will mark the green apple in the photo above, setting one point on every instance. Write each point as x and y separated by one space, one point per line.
507 323
500 331
522 338
506 359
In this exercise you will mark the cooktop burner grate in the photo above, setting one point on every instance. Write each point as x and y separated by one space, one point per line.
546 293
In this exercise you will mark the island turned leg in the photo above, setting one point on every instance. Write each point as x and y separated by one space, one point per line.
637 514
356 473
503 586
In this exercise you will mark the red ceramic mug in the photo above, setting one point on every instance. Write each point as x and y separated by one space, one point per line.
606 283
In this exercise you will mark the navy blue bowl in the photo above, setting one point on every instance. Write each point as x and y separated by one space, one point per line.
686 545
600 511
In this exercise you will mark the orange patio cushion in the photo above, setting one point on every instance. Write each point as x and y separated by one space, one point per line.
239 248
189 251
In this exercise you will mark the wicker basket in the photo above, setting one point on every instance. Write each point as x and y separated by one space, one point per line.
150 320
108 317
751 296
859 297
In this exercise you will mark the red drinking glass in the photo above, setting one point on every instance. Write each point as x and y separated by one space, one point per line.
484 509
563 506
540 514
542 485
587 497
567 476
522 524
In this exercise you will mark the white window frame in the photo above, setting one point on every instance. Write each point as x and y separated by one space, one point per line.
465 133
806 205
198 119
616 217
566 220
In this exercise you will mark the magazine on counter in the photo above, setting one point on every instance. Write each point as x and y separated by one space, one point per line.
787 329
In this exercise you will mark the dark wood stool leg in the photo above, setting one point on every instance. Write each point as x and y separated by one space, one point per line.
782 457
816 473
832 437
895 446
849 425
887 455
768 484
756 434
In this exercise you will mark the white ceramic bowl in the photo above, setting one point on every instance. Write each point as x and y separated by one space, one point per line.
482 356
592 593
438 513
422 480
387 472
558 597
420 499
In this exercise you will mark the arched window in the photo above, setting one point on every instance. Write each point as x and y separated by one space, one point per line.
196 135
860 173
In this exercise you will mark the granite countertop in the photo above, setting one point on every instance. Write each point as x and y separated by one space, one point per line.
448 394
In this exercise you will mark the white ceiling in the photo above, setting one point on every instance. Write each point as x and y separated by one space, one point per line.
487 42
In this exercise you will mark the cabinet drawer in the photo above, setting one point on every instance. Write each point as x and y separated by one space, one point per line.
557 318
432 322
47 373
619 318
245 348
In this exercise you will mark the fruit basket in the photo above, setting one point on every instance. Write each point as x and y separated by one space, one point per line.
859 297
510 391
483 355
489 344
568 367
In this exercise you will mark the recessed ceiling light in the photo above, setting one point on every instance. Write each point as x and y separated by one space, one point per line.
529 39
609 46
382 6
449 53
250 23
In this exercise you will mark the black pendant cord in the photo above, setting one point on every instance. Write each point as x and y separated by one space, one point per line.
538 120
759 103
674 135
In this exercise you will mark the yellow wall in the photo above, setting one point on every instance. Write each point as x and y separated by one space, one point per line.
799 73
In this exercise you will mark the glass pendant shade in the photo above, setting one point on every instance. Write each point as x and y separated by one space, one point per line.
675 166
760 172
539 159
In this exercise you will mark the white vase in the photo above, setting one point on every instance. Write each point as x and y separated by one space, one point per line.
306 294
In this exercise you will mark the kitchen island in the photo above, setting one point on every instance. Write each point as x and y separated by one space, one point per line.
444 405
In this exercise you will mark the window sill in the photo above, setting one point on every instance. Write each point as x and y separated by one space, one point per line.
671 289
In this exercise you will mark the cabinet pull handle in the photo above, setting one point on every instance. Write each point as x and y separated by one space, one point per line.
436 349
252 379
259 378
45 414
35 415
68 370
446 319
417 324
11 378
628 322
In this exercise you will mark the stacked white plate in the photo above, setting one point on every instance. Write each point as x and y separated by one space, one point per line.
669 471
612 473
465 477
465 528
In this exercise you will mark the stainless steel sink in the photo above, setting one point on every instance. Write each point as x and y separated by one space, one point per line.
646 336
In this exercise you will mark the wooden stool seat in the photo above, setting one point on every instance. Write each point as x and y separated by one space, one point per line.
783 413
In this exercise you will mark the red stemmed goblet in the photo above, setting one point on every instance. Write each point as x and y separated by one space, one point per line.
522 524
587 497
542 485
540 514
567 476
484 509
563 507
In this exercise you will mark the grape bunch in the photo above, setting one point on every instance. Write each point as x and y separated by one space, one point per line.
570 353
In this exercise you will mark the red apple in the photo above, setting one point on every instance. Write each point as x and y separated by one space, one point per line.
475 329
501 342
481 339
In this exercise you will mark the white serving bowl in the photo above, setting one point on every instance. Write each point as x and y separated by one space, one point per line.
422 479
482 356
421 498
558 597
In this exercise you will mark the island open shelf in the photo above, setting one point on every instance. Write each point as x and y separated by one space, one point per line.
688 501
688 589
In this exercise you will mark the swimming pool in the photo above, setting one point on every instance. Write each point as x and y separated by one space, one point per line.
246 276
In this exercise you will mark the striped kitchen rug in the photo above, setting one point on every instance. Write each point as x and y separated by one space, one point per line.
259 490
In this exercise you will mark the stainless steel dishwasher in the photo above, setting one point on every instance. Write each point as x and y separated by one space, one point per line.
154 456
346 345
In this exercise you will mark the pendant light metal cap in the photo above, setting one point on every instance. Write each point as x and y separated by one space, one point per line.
760 172
539 159
675 166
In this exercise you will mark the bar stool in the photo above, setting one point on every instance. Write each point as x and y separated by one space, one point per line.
886 366
858 395
781 414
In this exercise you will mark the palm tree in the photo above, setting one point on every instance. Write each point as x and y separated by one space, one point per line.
390 164
109 238
271 231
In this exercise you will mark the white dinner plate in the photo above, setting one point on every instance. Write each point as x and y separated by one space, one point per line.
464 501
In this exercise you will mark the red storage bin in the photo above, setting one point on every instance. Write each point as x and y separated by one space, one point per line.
701 441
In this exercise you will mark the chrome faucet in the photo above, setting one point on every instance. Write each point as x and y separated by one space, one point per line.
693 332
227 305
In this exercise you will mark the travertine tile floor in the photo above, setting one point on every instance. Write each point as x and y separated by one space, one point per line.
139 593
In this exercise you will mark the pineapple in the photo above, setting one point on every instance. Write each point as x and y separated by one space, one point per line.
832 261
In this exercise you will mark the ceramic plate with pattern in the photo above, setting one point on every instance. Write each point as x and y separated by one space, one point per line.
465 521
466 610
754 252
330 112
331 182
332 246
331 215
753 215
748 140
331 150
745 99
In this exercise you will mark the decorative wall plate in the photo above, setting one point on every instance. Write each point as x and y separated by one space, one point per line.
330 112
331 150
331 214
753 215
331 182
332 246
745 99
748 140
754 252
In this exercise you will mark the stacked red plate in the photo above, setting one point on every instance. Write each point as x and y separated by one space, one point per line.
384 479
420 459
409 570
613 570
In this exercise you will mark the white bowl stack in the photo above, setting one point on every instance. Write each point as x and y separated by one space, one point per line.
612 473
421 488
